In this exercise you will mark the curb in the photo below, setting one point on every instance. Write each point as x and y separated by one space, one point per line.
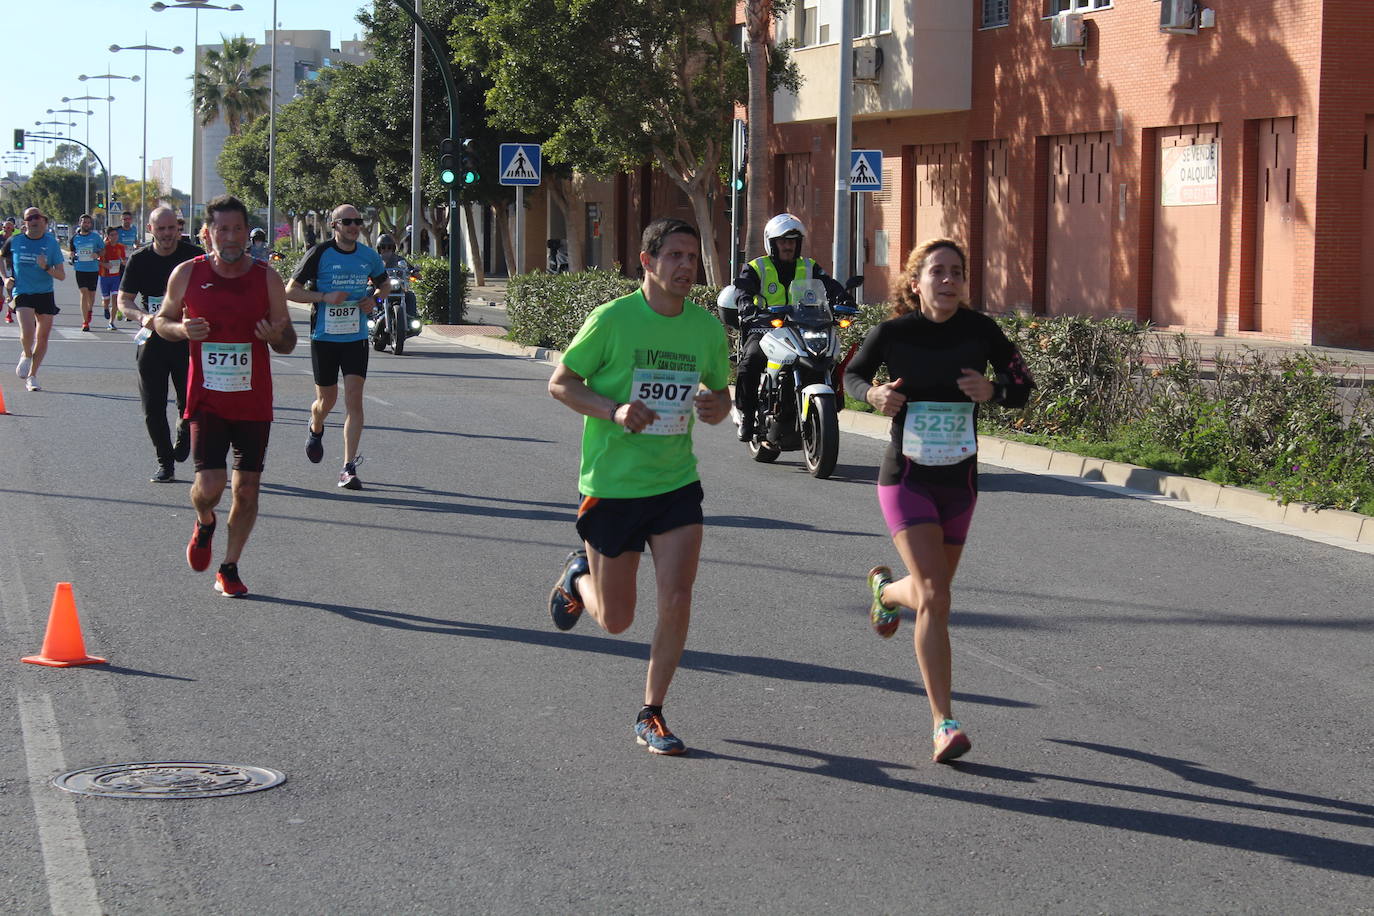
1037 459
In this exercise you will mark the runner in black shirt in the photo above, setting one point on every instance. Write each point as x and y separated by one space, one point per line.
140 296
937 352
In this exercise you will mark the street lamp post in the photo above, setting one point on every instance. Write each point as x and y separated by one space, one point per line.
109 128
143 186
67 100
54 123
88 114
196 5
272 137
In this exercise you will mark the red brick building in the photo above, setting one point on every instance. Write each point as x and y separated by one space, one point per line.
1215 178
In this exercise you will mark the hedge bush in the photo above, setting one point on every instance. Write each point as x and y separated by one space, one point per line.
1279 422
546 310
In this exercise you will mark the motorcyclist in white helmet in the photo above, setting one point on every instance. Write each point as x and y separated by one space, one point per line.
257 248
763 284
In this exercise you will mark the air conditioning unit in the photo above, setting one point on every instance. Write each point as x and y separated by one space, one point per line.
1067 31
868 63
1178 16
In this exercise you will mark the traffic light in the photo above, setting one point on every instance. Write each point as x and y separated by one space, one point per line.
447 174
471 174
739 179
100 200
19 138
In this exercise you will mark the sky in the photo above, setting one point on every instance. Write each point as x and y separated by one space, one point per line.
52 45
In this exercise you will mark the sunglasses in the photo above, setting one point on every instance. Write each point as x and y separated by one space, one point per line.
30 219
346 221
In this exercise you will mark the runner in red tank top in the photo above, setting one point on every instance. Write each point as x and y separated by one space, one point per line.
231 309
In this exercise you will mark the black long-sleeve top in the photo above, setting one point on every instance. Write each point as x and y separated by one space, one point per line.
929 356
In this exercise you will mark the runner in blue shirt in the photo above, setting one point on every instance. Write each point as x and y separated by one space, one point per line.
86 247
32 260
339 277
128 235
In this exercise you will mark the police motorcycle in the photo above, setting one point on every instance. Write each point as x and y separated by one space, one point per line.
798 404
395 318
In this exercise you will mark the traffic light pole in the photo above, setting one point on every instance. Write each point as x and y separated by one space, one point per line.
455 238
87 149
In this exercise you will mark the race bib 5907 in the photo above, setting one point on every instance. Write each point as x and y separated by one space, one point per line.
669 394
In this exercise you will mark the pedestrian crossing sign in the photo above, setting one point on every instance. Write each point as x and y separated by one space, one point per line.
866 170
520 163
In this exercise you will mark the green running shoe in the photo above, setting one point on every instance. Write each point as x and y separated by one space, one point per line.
884 619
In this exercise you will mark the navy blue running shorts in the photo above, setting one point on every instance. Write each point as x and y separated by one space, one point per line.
613 526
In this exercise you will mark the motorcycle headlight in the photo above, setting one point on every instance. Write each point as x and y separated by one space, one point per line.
371 324
414 325
395 283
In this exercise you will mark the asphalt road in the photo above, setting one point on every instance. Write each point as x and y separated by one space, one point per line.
1169 712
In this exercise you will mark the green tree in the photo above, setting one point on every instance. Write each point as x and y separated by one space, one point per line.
58 192
616 83
228 86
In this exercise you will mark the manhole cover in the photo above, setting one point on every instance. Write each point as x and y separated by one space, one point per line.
169 780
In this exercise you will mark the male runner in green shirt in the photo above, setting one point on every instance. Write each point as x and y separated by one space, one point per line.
636 370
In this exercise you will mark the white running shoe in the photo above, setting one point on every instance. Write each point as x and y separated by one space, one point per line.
22 370
31 383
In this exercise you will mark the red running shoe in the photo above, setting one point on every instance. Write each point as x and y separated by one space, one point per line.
198 551
228 583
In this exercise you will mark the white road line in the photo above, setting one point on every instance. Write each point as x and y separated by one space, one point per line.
1010 668
377 400
67 865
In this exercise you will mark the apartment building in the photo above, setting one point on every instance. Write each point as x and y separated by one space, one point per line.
1201 165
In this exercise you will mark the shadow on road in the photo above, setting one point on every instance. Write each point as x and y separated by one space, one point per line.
708 662
138 672
381 495
1299 846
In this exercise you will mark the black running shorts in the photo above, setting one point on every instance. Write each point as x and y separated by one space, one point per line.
330 357
212 436
41 303
87 279
613 526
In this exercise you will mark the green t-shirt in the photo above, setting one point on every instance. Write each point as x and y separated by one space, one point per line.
626 351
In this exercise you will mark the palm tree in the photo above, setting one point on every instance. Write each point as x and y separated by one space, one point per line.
229 86
758 17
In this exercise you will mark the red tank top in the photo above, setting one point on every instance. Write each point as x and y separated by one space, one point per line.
229 376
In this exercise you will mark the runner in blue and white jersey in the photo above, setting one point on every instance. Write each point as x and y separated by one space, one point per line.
339 277
86 246
33 259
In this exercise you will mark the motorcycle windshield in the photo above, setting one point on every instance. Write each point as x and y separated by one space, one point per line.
809 305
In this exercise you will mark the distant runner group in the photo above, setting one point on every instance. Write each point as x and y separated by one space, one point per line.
641 370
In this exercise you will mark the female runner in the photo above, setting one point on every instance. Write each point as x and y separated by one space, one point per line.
937 351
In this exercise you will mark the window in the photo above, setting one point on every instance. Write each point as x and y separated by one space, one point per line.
804 20
872 17
996 12
1077 6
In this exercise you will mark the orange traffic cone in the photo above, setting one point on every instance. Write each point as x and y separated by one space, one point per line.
2 402
63 646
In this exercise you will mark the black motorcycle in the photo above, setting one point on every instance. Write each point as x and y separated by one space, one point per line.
396 316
